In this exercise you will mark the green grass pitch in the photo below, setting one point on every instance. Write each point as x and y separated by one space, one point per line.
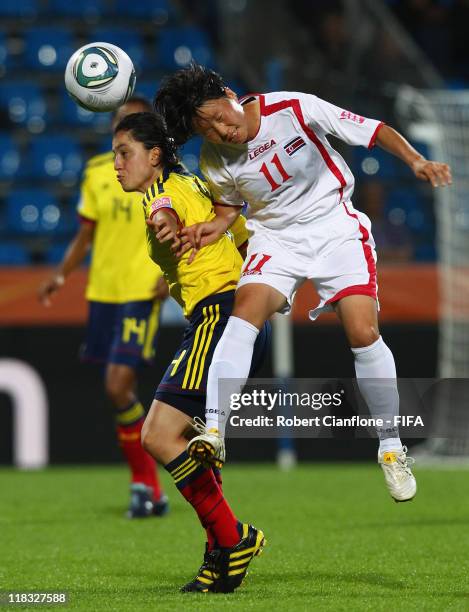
336 541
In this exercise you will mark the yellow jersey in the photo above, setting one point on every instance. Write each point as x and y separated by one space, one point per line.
217 267
121 270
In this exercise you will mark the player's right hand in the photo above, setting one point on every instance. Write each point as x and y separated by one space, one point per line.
164 232
197 236
49 287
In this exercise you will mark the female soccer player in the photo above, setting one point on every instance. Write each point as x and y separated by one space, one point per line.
124 293
271 150
145 161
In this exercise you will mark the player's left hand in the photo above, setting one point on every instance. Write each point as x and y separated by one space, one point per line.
436 173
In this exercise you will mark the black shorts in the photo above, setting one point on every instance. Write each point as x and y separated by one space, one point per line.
184 383
121 333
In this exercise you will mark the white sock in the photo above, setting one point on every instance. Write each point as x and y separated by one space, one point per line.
376 377
231 360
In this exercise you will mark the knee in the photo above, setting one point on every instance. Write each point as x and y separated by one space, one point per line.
152 442
118 390
256 303
360 336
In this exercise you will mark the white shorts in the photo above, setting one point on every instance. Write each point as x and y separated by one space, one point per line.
336 253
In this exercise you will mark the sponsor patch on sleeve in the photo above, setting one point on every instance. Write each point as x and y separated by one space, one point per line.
164 202
348 116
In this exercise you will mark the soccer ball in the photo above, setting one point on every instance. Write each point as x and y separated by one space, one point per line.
100 77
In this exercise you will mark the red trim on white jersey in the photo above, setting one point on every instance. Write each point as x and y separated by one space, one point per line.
295 105
370 287
375 135
242 99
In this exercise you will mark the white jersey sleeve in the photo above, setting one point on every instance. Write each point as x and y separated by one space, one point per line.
221 183
345 125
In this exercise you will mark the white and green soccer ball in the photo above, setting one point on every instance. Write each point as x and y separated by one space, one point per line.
100 77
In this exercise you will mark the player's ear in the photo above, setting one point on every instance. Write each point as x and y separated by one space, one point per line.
155 156
230 94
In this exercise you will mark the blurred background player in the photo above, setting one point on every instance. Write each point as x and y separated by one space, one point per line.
271 150
125 289
146 160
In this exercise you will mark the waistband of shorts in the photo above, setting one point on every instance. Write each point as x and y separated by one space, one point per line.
218 298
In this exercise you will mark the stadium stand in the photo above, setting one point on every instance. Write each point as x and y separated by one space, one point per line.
45 137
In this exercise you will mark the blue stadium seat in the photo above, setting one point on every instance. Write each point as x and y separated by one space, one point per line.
14 254
54 156
9 157
104 145
406 199
56 252
127 39
33 211
375 163
5 59
24 103
73 114
48 48
85 9
158 11
177 47
18 8
147 89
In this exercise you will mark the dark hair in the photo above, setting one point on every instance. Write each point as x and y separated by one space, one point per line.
150 130
182 94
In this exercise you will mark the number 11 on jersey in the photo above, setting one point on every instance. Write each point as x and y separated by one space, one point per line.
283 173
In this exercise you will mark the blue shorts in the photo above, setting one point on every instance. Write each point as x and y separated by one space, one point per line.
184 383
121 333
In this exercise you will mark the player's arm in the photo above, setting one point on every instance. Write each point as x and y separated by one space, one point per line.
199 235
161 289
355 130
75 254
165 226
434 172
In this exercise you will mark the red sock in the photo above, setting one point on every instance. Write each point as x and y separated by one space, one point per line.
200 488
211 539
141 464
217 474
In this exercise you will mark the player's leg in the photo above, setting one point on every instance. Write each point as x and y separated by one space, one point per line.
254 304
164 436
345 277
147 497
183 389
376 376
269 279
133 345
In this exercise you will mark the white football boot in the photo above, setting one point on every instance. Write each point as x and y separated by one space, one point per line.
208 448
398 475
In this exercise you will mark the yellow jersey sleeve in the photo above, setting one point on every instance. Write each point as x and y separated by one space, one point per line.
88 205
158 199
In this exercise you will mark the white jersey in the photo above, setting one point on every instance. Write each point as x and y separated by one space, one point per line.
288 173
